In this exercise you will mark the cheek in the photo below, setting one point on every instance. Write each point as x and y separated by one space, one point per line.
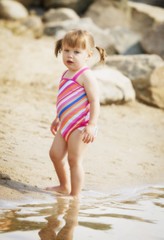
83 57
63 57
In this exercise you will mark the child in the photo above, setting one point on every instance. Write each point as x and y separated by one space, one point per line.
77 110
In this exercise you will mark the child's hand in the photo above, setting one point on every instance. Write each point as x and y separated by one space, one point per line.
89 133
54 126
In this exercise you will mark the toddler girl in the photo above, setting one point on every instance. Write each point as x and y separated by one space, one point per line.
77 107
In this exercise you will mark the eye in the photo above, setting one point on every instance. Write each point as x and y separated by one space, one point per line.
76 52
66 50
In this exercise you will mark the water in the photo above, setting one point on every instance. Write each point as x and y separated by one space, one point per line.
134 214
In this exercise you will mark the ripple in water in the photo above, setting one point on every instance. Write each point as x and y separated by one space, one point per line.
135 214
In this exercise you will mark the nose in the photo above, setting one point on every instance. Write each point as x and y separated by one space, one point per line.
70 54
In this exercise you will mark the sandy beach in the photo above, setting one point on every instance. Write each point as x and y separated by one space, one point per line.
128 151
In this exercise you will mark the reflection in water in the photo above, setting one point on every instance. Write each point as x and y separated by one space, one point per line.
14 220
61 224
97 216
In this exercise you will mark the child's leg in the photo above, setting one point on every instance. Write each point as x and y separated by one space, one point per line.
57 153
76 149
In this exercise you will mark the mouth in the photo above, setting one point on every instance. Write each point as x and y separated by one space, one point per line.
69 61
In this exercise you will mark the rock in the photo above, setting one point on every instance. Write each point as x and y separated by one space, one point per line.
154 94
15 27
58 29
60 14
78 5
157 87
10 9
31 26
147 75
26 3
114 86
157 96
159 3
157 78
4 176
106 14
34 24
124 41
153 40
138 68
143 17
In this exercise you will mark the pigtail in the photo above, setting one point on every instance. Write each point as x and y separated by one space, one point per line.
58 47
102 54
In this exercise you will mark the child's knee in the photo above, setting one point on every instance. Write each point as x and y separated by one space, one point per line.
73 161
51 154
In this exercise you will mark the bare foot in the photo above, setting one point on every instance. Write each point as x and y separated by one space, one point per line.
58 189
69 197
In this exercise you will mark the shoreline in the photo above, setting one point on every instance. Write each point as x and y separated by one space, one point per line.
38 197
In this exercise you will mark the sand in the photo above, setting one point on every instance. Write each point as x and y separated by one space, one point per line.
128 151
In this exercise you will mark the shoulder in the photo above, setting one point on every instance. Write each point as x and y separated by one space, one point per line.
87 76
88 73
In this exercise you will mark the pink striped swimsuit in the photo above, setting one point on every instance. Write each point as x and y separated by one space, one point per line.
73 108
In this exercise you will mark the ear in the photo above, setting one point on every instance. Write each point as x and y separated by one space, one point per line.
90 53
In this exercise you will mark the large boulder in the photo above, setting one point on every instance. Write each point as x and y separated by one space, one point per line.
159 3
143 17
114 86
78 5
26 3
124 41
142 70
153 40
109 13
60 14
136 67
10 9
34 24
154 94
31 26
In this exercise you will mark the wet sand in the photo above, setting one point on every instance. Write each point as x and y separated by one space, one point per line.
128 151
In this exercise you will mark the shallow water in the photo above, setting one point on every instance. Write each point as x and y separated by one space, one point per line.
133 214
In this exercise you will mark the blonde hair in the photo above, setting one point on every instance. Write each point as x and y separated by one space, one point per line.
81 39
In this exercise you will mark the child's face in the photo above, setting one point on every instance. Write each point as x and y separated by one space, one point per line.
74 58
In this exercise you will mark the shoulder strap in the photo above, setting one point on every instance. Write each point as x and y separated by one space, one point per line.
64 74
78 73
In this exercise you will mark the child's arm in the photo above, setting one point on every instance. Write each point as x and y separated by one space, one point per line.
54 126
91 88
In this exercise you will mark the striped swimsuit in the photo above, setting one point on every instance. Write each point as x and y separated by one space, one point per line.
73 108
